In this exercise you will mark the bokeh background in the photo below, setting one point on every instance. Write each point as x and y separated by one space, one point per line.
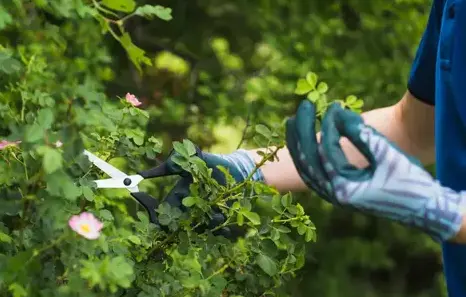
223 65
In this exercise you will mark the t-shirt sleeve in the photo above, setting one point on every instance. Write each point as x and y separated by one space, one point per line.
421 82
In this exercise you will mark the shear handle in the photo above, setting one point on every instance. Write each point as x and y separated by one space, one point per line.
149 203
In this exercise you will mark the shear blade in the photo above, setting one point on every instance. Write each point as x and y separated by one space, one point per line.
104 166
119 183
110 183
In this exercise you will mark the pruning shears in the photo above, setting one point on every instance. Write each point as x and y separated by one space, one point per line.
121 180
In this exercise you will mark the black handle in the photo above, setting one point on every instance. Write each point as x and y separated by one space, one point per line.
149 203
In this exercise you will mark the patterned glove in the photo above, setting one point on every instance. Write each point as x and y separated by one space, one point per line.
303 147
239 164
394 186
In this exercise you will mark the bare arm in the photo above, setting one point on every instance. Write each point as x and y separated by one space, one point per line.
409 123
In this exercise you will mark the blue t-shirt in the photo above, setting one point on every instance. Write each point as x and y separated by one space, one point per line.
438 77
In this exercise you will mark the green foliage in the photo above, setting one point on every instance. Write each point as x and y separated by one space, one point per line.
52 100
217 70
316 93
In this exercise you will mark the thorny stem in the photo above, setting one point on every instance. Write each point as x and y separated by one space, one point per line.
248 122
258 165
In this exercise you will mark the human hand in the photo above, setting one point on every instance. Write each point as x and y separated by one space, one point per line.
394 186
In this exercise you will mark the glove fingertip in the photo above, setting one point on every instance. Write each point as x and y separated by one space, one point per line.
338 123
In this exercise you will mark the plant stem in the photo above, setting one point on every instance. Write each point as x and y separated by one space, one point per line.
161 244
287 220
258 165
99 7
221 270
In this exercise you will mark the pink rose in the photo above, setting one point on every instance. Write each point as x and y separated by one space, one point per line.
86 225
5 143
132 99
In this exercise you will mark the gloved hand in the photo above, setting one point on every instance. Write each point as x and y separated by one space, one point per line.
302 144
239 164
394 186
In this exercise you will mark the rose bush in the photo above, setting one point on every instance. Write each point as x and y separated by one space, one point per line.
60 236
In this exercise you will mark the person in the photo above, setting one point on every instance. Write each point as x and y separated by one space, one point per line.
373 162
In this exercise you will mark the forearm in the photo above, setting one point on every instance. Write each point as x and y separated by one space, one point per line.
409 124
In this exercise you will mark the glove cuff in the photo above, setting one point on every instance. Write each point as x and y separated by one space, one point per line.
445 214
245 164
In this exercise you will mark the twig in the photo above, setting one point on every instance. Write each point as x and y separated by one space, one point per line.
248 122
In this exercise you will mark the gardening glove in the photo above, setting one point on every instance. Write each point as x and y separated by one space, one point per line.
302 144
239 164
394 186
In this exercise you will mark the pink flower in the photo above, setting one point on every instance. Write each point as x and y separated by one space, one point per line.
5 143
58 143
132 99
86 225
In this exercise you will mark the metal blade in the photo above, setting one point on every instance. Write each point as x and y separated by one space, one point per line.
110 183
129 182
104 166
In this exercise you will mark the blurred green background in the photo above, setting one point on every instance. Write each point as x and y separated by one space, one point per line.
222 65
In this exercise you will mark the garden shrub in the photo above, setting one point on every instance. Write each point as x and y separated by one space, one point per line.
54 66
56 60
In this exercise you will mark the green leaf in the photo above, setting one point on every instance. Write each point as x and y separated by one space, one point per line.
59 184
88 193
136 54
252 216
313 96
52 160
181 149
189 201
310 235
164 219
358 104
105 214
287 200
303 87
283 229
45 118
322 88
17 290
302 229
5 237
143 112
264 130
34 133
120 5
8 64
142 216
351 99
191 281
240 219
190 147
5 19
267 264
277 204
134 239
149 11
311 79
